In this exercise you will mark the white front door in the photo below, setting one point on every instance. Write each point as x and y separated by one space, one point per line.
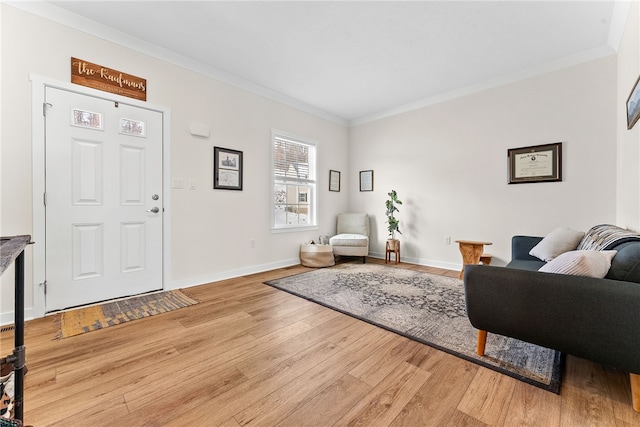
103 199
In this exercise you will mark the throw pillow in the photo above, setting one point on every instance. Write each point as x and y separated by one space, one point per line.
581 263
559 241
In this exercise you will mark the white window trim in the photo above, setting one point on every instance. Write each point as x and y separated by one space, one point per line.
312 197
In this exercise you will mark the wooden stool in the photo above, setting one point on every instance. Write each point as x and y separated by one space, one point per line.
393 246
485 259
471 252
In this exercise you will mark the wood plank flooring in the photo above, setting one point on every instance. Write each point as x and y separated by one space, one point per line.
251 355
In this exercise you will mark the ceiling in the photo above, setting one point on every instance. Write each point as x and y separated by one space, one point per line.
355 61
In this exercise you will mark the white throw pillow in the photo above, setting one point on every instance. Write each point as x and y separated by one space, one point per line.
559 241
581 263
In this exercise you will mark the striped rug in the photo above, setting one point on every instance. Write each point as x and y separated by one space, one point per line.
87 319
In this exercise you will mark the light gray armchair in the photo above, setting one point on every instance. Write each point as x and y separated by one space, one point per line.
352 238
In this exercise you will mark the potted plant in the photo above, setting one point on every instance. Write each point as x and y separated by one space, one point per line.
392 222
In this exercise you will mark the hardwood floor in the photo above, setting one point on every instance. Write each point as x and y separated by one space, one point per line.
249 354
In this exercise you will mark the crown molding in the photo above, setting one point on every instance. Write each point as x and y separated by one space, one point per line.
56 14
61 16
616 31
490 84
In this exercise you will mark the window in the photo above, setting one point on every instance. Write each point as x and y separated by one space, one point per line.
294 182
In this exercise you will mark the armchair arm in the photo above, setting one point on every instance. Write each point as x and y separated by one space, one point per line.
597 319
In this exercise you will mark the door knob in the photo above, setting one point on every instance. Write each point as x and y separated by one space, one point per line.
154 210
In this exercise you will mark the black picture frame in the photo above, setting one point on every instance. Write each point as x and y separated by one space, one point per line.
366 180
633 105
227 169
334 180
537 163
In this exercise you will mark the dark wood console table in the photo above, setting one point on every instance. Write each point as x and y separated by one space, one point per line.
12 249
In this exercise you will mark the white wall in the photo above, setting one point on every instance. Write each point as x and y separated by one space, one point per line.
448 163
628 140
211 229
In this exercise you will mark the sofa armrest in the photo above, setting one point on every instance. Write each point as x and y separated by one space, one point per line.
521 245
597 319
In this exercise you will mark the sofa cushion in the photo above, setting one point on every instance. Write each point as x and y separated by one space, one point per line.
526 264
349 240
581 263
559 241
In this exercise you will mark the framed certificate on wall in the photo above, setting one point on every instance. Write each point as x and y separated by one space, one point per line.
227 169
539 163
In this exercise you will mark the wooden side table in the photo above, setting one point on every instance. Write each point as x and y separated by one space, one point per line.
393 246
471 252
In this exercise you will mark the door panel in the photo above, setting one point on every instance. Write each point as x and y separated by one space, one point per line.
87 251
132 176
103 165
86 166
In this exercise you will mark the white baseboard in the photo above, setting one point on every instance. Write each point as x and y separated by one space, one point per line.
230 274
420 261
8 317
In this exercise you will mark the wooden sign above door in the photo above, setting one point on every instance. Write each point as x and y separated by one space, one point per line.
106 79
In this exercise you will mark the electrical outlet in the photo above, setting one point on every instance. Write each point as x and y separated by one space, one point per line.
447 240
252 243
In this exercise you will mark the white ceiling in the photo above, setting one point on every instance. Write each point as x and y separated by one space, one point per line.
354 61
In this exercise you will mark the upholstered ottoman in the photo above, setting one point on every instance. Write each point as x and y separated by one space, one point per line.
312 255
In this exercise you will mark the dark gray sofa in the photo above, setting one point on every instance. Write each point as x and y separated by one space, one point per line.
592 318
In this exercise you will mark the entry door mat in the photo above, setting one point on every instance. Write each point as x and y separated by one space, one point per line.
87 319
424 307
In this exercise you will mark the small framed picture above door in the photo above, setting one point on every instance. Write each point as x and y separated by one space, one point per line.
227 169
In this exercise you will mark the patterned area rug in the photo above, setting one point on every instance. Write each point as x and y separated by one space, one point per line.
87 319
424 307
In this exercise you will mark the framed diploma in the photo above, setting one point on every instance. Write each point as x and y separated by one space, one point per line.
227 169
539 163
334 180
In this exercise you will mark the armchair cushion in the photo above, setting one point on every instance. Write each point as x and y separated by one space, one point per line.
353 223
349 240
